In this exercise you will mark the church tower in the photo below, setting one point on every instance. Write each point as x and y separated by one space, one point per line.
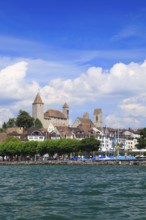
98 118
38 109
86 115
65 110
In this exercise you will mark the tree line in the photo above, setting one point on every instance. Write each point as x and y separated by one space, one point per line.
13 147
142 140
24 120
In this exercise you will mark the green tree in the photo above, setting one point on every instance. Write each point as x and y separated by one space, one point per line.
61 146
24 120
52 147
31 148
89 144
2 153
4 126
13 139
1 130
38 123
142 140
143 133
11 123
42 147
8 148
68 146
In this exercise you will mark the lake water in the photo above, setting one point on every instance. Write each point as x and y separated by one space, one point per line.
72 192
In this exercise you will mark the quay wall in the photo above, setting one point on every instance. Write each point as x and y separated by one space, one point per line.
69 162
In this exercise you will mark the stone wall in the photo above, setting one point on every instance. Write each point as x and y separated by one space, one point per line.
69 162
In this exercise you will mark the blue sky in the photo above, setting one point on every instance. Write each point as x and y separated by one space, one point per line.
89 53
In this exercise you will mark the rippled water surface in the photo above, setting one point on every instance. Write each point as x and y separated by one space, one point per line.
72 192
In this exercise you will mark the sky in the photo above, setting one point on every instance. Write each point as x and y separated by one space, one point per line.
88 53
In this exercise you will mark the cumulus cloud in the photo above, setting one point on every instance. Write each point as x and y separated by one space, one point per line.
120 81
11 77
123 121
123 85
15 90
12 82
135 105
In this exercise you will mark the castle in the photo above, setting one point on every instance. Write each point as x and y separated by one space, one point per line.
58 118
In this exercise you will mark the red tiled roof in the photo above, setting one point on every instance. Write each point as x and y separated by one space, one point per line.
54 113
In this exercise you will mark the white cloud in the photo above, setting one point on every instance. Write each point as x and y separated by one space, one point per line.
119 90
120 81
5 114
123 121
12 82
135 106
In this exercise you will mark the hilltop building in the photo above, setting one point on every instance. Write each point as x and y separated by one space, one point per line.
59 118
51 115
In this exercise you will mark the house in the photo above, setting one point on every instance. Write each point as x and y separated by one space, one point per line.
130 144
131 133
60 131
37 134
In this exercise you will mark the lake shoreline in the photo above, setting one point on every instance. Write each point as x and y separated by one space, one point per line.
69 162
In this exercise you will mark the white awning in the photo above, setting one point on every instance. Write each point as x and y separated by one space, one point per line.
138 150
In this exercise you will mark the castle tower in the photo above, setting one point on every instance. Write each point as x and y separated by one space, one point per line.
98 117
38 109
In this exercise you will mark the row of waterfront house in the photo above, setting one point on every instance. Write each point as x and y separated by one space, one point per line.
109 137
